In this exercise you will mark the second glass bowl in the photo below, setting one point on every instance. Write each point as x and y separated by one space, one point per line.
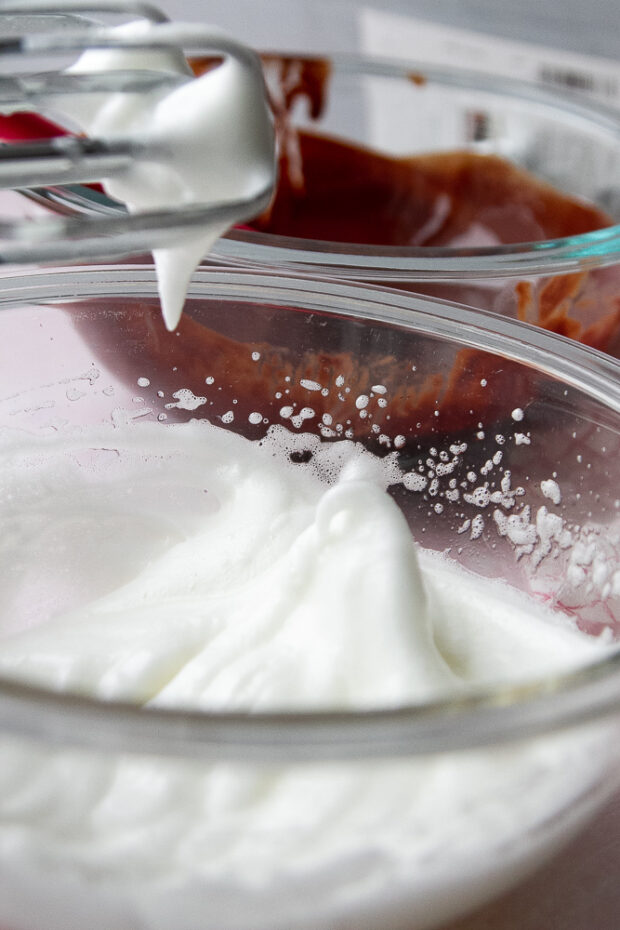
568 282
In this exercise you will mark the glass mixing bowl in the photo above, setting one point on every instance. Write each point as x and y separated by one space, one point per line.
505 440
542 266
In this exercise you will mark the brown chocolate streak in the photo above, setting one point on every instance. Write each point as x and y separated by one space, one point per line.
351 194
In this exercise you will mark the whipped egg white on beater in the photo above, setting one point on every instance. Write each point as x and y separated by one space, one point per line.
209 140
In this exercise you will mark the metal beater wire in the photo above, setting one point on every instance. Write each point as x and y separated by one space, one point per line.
55 28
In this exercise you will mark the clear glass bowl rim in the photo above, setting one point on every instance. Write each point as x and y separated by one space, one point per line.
485 717
599 248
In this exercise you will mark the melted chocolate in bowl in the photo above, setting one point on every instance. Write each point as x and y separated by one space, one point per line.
448 199
335 191
331 190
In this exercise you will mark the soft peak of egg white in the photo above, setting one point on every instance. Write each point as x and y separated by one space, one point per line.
249 583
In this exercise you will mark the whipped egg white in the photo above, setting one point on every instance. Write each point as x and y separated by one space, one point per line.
187 567
209 140
287 591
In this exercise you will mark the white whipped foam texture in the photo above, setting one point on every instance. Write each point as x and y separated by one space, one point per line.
184 566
